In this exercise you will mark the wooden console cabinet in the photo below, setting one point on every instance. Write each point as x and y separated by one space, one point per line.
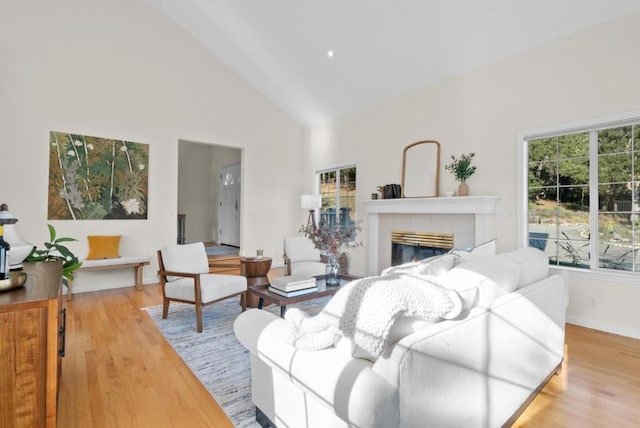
31 347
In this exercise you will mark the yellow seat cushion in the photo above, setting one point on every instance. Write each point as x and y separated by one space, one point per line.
103 247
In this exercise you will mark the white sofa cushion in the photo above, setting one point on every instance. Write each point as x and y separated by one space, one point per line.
308 269
465 254
479 279
493 276
533 263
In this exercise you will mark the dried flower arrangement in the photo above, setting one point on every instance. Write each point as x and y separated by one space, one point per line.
332 240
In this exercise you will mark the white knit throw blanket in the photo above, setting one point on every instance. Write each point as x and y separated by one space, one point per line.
364 311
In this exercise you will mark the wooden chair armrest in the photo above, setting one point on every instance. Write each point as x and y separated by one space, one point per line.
182 274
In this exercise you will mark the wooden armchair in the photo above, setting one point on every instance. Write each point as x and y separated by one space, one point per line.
184 276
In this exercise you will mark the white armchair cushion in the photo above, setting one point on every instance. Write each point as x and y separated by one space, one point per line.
308 269
188 258
212 287
300 248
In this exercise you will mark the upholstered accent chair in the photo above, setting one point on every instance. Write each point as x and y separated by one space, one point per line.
301 257
184 276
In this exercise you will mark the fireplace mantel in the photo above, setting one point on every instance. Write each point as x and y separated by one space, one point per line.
446 205
483 209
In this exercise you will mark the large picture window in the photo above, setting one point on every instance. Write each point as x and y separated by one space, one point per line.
584 197
338 190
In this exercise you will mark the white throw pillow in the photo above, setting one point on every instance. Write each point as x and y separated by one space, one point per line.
533 263
434 266
464 254
467 289
493 276
405 267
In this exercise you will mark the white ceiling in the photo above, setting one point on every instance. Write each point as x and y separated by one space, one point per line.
382 47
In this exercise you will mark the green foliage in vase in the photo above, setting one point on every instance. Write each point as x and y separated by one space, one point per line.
54 250
461 168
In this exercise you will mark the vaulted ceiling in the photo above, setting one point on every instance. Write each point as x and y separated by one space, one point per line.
320 59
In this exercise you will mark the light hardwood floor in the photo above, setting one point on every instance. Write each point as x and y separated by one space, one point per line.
120 372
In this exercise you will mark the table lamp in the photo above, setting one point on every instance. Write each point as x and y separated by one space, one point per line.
311 203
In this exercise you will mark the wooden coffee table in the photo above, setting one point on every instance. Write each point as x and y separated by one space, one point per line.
262 292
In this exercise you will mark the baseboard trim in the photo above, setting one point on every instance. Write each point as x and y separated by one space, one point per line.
106 286
608 328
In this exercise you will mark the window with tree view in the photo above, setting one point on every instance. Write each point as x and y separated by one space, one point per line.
338 190
584 198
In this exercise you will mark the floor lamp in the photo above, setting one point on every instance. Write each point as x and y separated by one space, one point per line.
311 203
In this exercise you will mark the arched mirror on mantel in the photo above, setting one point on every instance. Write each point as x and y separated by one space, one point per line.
421 169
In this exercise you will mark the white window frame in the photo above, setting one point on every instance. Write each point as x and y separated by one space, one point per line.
336 167
522 175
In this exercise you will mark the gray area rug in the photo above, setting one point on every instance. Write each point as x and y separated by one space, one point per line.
215 356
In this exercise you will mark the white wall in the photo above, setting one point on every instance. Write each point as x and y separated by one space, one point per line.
121 69
589 74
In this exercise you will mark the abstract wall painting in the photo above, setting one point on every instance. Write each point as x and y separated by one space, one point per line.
92 178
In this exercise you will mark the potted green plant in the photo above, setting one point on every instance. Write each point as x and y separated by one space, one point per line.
462 169
54 250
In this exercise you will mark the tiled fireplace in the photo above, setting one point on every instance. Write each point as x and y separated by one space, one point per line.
469 219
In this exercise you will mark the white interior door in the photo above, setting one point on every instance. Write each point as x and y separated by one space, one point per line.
229 214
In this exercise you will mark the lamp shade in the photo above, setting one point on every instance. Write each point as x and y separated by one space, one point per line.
310 202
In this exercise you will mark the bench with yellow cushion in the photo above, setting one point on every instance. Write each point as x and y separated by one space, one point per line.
104 253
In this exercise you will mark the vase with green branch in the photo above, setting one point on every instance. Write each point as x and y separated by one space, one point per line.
462 169
55 250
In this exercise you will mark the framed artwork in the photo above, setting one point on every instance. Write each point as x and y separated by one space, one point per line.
93 178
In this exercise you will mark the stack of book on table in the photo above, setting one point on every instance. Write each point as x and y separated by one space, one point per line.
291 286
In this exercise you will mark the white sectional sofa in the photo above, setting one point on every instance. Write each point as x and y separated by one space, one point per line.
480 369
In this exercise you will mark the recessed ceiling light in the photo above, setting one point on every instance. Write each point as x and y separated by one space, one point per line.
330 54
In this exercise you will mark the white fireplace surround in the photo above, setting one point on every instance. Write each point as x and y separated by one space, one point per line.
469 218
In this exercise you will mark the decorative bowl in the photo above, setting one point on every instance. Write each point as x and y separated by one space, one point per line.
16 279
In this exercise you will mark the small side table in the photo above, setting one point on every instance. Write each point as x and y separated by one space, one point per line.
256 270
